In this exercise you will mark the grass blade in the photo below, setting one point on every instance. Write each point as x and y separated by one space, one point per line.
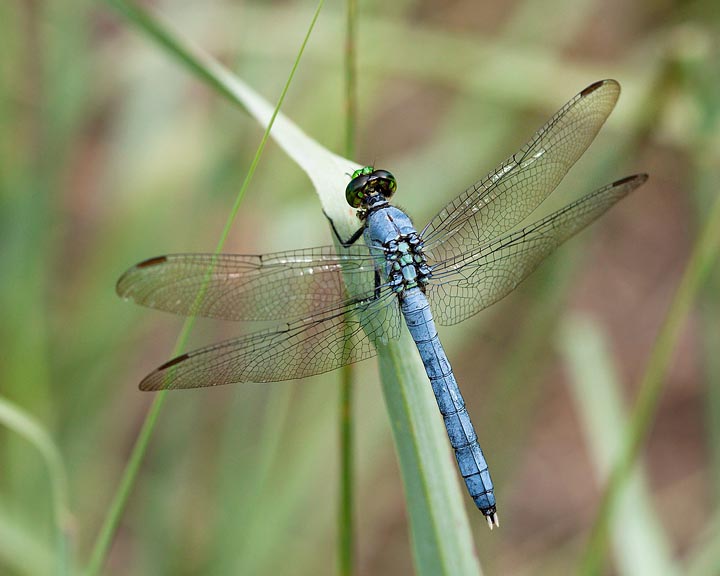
346 511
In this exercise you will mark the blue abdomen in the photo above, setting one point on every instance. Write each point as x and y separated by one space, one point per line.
398 251
461 432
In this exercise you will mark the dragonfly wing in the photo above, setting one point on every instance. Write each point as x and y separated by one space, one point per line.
506 196
280 286
469 282
296 350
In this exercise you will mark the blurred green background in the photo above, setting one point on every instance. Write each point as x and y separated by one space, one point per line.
111 153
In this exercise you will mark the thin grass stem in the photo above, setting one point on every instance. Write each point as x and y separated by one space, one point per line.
346 518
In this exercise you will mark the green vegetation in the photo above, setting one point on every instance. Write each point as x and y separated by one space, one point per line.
602 370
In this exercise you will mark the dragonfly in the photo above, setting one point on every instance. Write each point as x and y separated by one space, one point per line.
338 305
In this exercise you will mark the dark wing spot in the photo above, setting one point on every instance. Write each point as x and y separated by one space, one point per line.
172 362
152 262
594 86
640 177
151 383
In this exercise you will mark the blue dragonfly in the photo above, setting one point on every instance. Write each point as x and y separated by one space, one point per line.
337 306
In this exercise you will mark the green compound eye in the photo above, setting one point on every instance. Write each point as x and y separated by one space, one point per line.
355 191
368 182
388 184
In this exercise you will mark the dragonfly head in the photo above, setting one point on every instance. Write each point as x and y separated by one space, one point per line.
369 186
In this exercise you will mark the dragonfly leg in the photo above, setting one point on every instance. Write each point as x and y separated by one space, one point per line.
377 283
350 241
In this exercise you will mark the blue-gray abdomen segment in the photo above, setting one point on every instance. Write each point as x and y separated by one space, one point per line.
463 439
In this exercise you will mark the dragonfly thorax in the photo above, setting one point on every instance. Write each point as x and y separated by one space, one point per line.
407 265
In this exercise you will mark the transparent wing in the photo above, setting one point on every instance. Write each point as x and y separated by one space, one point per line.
280 286
508 195
298 349
470 282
